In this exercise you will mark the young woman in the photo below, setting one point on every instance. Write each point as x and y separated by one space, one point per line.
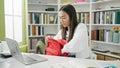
75 33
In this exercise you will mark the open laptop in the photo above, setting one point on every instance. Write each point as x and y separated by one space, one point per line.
23 58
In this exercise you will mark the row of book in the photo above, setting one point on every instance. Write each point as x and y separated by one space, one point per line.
42 18
105 35
79 1
34 30
33 42
106 17
83 17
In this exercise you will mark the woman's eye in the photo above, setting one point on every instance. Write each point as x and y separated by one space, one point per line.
63 18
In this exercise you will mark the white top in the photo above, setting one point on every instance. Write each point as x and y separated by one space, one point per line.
79 42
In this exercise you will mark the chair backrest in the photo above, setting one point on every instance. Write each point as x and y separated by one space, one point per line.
93 56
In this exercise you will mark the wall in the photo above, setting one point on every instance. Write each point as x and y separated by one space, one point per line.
2 24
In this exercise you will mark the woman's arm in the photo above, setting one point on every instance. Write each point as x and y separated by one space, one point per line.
79 40
58 35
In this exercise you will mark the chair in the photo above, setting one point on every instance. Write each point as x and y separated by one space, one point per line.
93 56
40 47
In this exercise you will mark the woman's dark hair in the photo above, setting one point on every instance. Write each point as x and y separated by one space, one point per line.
70 10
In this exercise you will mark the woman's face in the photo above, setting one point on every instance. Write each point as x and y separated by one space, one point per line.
64 19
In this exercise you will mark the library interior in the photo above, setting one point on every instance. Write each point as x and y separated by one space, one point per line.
32 25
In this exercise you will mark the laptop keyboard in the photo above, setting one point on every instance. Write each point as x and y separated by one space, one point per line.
28 59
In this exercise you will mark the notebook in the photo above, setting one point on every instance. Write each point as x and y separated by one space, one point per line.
23 58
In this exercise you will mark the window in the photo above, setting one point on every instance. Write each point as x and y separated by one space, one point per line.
13 19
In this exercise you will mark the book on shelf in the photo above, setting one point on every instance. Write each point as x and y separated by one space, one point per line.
30 18
83 17
40 18
117 16
106 17
94 0
67 1
88 18
95 34
48 18
29 31
115 37
45 19
42 30
119 36
32 43
56 19
96 17
35 18
108 35
34 30
102 17
102 35
39 30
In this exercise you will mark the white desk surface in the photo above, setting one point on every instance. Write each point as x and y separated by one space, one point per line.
53 62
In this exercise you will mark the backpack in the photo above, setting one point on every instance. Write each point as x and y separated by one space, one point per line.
54 47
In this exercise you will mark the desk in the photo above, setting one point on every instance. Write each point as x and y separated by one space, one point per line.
52 60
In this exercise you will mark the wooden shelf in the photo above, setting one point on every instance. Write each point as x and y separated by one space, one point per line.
102 42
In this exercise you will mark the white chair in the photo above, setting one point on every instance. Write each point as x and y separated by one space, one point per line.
93 56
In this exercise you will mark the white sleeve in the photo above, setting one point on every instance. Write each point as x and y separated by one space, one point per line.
79 40
58 35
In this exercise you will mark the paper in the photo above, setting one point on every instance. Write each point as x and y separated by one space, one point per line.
87 63
109 64
2 60
62 65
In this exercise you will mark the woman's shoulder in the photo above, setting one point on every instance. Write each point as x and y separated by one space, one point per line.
81 25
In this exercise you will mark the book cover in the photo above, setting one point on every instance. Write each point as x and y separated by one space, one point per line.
108 35
79 20
101 34
119 36
115 37
39 30
107 17
33 30
56 19
93 34
117 16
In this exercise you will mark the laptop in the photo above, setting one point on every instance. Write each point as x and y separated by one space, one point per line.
23 58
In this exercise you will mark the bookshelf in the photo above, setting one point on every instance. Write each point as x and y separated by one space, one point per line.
42 20
98 15
104 16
